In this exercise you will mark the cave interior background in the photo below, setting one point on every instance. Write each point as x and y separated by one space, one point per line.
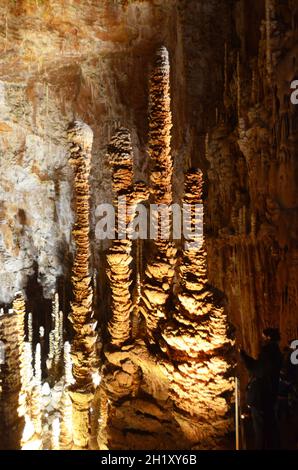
231 65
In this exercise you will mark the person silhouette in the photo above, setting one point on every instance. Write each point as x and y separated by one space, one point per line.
262 389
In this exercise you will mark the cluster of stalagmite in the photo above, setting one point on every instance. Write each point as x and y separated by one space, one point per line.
126 197
183 390
160 269
83 345
30 405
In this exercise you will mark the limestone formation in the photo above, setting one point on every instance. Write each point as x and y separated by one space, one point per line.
126 197
197 336
161 359
160 270
83 344
187 326
13 397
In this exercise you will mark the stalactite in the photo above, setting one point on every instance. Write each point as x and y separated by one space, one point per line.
160 269
127 196
83 346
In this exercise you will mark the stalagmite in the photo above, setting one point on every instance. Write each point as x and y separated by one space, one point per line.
160 269
126 197
138 291
13 397
36 403
54 361
65 435
196 338
268 11
83 346
238 80
30 331
55 434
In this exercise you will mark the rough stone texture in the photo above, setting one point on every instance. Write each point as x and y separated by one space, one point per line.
159 271
88 60
179 362
252 194
127 195
80 136
231 74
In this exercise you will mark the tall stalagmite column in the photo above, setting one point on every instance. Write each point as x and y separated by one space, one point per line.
196 338
83 346
159 272
126 197
13 397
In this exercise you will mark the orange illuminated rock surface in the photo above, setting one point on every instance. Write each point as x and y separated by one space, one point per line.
83 345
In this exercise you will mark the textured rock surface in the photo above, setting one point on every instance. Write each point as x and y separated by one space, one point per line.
80 136
127 195
87 60
252 207
12 397
232 63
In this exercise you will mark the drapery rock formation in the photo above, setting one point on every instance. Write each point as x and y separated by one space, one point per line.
83 345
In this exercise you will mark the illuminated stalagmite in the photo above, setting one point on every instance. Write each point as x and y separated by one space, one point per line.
197 335
83 345
126 197
13 398
159 272
66 405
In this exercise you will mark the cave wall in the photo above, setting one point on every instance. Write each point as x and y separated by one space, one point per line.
252 194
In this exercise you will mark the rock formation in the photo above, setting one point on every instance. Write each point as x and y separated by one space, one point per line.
197 335
160 269
13 396
83 344
126 197
191 364
232 65
252 215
